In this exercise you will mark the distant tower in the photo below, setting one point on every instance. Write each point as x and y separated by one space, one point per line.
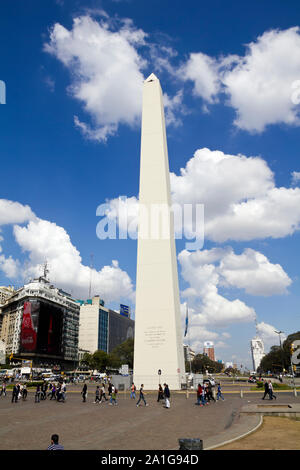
257 349
158 347
209 350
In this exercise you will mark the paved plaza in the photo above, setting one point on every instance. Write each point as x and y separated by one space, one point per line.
27 425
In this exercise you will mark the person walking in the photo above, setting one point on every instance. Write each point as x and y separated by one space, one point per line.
133 390
24 392
50 390
3 389
37 394
53 392
199 395
103 394
219 394
63 391
54 443
160 395
97 395
209 393
271 394
15 392
266 386
113 398
109 389
141 397
84 393
167 395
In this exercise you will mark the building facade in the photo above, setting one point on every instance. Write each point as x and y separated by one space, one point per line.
101 328
209 350
41 322
5 293
257 351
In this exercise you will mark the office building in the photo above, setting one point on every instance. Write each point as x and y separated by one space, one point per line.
209 350
101 328
41 323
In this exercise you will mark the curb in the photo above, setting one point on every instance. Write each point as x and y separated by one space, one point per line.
238 437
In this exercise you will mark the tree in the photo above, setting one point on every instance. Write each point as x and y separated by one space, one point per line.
124 353
279 358
201 363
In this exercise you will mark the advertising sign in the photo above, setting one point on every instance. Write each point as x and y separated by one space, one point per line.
124 310
28 333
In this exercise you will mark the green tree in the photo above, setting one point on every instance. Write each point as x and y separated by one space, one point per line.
124 353
201 363
100 360
279 358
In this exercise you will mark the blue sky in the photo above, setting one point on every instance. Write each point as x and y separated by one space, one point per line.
70 140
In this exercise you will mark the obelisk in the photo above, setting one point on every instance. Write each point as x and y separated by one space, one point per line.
158 346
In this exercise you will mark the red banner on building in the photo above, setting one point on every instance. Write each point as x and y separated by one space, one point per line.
28 334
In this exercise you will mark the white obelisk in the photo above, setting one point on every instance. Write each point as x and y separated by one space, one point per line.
158 342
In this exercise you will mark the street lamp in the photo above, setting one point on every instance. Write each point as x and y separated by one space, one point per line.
279 333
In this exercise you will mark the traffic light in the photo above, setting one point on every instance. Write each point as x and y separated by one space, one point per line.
292 348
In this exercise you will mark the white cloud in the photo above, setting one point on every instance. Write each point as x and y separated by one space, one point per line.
241 201
12 212
105 68
253 272
295 177
269 336
258 85
210 307
44 240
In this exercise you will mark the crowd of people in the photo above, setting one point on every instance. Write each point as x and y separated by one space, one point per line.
205 393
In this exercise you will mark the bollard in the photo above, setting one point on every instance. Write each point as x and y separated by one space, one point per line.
242 393
190 444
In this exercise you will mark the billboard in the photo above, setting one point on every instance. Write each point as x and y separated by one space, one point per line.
41 330
124 310
28 331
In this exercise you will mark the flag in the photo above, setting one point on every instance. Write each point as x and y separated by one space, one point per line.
186 321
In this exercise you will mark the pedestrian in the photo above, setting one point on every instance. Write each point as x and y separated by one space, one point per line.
209 393
266 386
167 395
219 394
271 394
24 392
199 395
141 397
63 391
84 393
58 392
15 393
109 389
97 396
160 395
53 392
3 389
50 390
103 394
113 398
133 390
37 394
54 443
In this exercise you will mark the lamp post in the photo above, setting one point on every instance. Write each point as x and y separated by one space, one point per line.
279 333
